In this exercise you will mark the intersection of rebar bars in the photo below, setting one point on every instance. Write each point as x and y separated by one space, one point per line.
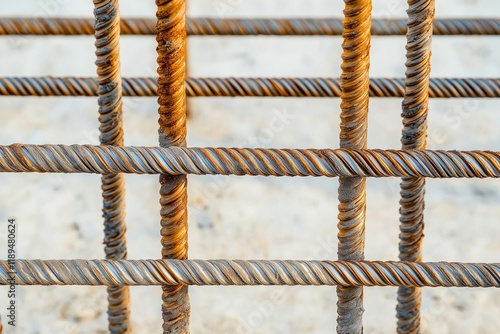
352 162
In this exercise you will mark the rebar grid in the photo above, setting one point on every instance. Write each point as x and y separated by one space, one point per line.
352 162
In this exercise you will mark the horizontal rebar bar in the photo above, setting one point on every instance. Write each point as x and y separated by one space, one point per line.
242 27
248 272
248 161
248 87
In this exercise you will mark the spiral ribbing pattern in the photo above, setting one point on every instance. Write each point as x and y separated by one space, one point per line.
251 272
243 27
107 35
22 158
172 160
353 134
415 109
171 38
249 87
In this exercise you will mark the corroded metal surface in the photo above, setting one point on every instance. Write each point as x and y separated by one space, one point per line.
243 27
107 35
415 109
252 272
248 161
171 49
172 160
251 87
353 135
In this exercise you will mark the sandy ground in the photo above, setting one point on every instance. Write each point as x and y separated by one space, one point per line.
59 216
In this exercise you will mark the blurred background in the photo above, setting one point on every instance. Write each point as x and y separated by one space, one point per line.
59 216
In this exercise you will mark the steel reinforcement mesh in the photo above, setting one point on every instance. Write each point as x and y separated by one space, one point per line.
352 162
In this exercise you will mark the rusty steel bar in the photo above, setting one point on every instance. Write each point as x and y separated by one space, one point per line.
415 110
107 35
248 87
353 135
243 27
24 158
171 49
252 272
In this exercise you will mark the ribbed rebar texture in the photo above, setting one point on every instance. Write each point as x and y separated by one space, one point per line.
249 87
243 27
22 158
415 109
353 135
251 272
107 34
172 160
171 38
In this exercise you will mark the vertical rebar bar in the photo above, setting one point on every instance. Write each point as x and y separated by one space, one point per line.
107 35
415 108
171 38
353 134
